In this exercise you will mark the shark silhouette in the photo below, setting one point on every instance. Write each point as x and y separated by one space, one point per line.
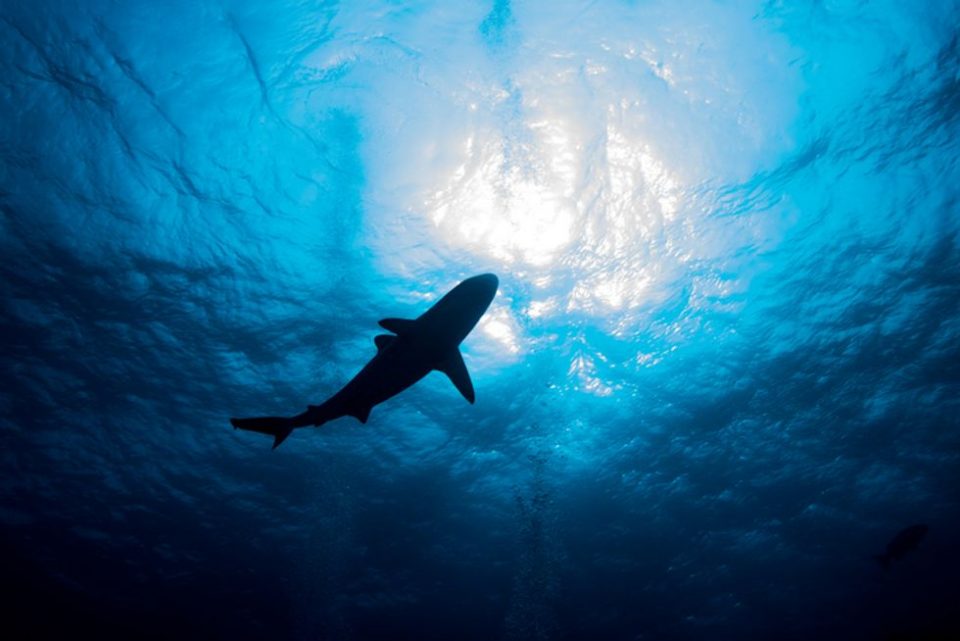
906 540
414 349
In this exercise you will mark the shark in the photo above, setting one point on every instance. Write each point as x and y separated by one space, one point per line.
412 349
906 540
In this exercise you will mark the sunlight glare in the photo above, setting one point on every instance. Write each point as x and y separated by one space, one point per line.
597 212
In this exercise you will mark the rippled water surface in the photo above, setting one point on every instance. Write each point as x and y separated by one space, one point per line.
720 374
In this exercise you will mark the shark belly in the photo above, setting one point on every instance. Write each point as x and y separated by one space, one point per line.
389 373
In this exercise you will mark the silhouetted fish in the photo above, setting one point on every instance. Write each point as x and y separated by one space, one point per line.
416 348
905 540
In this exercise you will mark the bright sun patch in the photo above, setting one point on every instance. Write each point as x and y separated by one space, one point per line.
557 211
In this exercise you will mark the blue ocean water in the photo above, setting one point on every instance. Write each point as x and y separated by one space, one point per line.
721 372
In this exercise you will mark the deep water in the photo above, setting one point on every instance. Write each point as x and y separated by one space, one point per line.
722 370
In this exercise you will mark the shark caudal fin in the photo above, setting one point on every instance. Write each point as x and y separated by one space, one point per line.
277 426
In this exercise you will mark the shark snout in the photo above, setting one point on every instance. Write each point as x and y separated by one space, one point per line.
488 283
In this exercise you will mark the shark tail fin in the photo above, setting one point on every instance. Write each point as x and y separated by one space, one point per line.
279 427
883 560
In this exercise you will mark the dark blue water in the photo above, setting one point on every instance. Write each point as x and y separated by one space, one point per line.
721 373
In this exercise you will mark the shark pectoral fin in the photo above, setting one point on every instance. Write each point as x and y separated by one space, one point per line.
383 341
361 414
456 371
397 325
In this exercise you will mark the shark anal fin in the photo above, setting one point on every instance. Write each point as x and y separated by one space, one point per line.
361 414
456 370
383 341
397 325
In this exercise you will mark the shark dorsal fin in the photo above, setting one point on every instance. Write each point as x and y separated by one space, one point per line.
397 325
456 370
361 414
383 341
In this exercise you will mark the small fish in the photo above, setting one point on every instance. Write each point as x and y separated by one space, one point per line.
905 540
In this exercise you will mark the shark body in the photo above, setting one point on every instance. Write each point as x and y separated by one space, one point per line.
413 349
